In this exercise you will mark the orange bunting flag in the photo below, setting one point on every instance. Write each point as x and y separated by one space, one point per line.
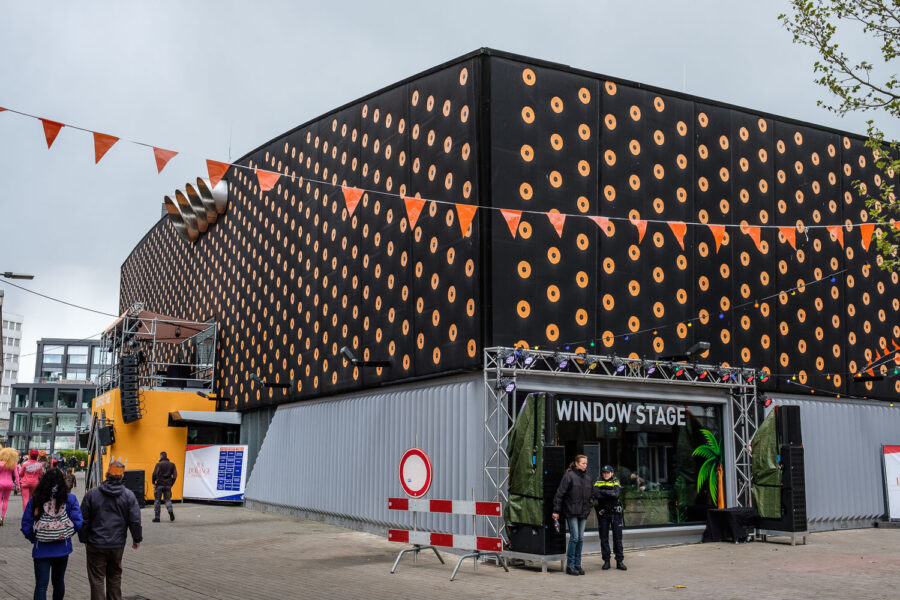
867 229
465 212
877 355
162 158
512 220
413 210
642 229
267 179
216 171
679 229
557 220
790 234
896 345
102 143
838 232
351 198
753 231
603 224
2 109
51 130
718 232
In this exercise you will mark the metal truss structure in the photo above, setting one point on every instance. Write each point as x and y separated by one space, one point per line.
502 365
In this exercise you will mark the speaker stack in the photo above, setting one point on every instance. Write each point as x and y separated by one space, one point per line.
128 386
544 540
793 479
134 481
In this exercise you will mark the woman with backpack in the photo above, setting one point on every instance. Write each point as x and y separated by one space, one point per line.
52 516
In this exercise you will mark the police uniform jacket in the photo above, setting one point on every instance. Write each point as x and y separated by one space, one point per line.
606 492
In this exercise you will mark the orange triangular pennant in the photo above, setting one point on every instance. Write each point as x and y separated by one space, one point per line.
642 229
753 231
2 109
162 158
51 130
351 198
512 220
102 143
877 355
870 372
867 229
838 232
413 210
896 345
466 213
602 223
216 171
557 220
790 234
718 232
679 229
267 179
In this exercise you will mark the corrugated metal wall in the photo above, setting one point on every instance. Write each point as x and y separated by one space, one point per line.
254 425
842 442
339 458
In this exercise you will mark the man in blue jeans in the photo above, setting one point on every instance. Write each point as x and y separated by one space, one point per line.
574 498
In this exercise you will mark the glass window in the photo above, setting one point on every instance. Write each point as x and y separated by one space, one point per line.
67 422
64 442
95 355
43 398
650 446
20 422
53 355
76 374
67 399
42 422
41 441
86 397
21 400
51 374
17 442
86 420
78 355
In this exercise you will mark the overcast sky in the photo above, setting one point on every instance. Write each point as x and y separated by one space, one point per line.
214 79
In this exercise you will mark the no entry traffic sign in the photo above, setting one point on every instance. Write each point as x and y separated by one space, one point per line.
415 472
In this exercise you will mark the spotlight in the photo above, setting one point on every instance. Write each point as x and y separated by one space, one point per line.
510 359
764 377
704 374
768 402
726 377
619 365
620 368
528 359
651 370
750 378
507 384
561 361
679 372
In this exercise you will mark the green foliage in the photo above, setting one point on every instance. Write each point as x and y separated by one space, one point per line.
80 455
712 452
860 85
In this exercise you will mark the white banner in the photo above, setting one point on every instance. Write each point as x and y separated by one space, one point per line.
892 480
215 472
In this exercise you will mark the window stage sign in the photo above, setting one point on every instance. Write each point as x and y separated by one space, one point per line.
636 413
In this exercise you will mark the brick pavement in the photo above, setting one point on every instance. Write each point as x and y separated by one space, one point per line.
233 553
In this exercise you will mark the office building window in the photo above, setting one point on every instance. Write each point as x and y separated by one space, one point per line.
64 442
53 355
43 398
95 358
41 441
78 355
67 399
21 400
17 442
76 374
4 391
66 422
42 422
20 422
51 374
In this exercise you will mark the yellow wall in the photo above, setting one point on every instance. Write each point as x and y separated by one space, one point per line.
141 442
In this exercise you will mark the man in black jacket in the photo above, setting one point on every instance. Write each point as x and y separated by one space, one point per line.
164 476
609 515
110 511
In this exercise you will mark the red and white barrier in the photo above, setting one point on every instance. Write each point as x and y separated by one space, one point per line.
453 507
446 540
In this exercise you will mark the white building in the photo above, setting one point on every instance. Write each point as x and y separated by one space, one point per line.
12 348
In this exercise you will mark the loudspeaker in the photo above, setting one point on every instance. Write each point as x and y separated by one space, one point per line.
134 481
543 540
83 438
787 426
793 493
106 436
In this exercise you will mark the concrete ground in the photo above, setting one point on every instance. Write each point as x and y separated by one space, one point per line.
234 553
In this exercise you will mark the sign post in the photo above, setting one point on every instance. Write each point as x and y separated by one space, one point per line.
416 473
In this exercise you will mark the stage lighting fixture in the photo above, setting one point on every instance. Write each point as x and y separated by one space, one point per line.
764 377
704 374
561 361
679 372
651 370
509 359
750 378
768 402
726 377
507 384
528 359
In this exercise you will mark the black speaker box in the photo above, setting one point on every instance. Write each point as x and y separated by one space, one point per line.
793 493
536 540
83 439
134 481
106 436
787 426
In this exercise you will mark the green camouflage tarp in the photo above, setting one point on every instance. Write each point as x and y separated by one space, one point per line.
766 472
526 464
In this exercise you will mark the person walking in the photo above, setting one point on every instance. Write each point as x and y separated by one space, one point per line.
164 476
9 478
574 499
609 516
30 473
72 463
51 518
110 511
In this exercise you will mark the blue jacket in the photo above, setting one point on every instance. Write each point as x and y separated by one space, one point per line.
51 549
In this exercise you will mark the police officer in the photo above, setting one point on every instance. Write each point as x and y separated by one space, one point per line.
609 513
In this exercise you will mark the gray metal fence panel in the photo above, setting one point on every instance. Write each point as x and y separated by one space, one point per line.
339 457
842 442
